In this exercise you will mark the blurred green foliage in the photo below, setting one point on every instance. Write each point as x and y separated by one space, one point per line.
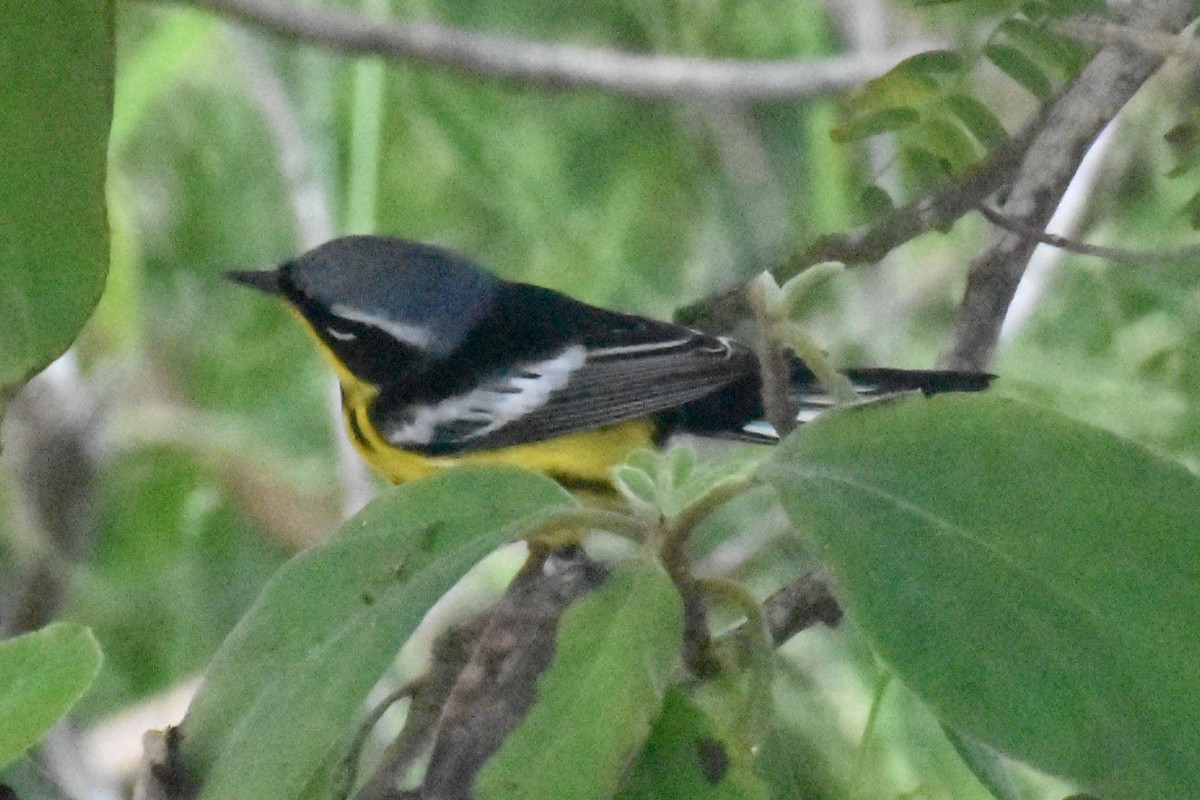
216 443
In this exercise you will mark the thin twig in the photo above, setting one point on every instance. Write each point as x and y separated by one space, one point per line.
1107 32
804 602
349 764
1118 254
562 66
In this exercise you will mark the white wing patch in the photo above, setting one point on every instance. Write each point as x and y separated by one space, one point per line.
807 413
760 427
492 406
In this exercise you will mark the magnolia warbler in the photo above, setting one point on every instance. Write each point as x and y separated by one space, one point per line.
442 363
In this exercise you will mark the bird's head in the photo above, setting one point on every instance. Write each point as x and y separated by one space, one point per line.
381 306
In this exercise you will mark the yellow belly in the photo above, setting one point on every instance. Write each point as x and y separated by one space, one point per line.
580 457
584 457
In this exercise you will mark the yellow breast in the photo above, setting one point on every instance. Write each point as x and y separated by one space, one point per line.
584 457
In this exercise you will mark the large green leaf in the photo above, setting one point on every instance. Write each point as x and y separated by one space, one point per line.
689 754
55 110
290 678
1035 579
42 674
614 651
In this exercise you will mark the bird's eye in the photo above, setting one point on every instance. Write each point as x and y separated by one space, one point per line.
371 353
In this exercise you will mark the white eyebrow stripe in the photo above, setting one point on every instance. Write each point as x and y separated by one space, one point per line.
412 335
341 336
518 394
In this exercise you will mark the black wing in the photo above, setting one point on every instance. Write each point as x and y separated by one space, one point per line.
568 367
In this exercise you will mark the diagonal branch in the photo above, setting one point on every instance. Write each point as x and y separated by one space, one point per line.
937 209
1105 32
723 311
559 66
1072 123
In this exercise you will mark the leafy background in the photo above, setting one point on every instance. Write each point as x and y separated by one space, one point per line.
209 425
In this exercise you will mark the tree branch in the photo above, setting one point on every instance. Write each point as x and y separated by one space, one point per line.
1106 32
1073 122
452 651
495 691
1118 254
801 604
937 209
53 447
724 311
559 66
483 676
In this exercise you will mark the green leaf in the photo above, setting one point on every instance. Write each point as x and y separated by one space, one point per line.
42 674
876 201
949 142
978 119
681 459
689 755
925 167
874 123
986 764
57 100
288 682
614 652
1022 69
1183 139
1191 210
933 62
636 485
1066 54
1035 10
1036 580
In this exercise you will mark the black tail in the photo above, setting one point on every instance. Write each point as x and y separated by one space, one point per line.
736 411
876 381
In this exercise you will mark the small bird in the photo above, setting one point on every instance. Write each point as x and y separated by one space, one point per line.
442 363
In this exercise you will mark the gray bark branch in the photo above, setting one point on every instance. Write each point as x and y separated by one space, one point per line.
1072 123
560 66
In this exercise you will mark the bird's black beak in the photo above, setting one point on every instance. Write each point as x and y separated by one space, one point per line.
263 280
